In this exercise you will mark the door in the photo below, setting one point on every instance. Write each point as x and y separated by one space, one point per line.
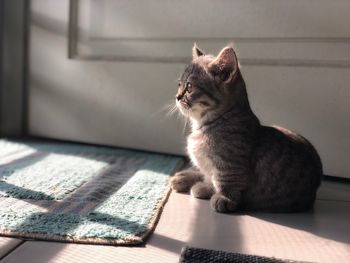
103 71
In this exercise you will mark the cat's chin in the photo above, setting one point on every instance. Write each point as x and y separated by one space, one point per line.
184 110
191 114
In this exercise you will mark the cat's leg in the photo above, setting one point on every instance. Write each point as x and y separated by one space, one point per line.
202 190
183 181
225 203
226 198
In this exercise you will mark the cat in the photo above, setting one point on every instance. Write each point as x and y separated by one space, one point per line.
238 163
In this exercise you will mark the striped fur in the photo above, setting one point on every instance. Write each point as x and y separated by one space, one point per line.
249 166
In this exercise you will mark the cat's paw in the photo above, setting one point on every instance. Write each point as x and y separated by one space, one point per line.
183 181
202 190
222 204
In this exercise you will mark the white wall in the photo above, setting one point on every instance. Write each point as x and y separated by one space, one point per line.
295 57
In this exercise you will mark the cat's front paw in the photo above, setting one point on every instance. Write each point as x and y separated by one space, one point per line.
222 204
183 181
202 190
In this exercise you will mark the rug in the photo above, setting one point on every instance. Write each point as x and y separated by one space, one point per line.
80 193
201 255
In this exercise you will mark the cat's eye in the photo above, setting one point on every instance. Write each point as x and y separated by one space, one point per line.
179 84
188 87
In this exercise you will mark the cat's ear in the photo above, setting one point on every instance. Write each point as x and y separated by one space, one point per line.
225 65
196 52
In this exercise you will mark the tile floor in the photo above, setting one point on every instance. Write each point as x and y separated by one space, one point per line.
319 236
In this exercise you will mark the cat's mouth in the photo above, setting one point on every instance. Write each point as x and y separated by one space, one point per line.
185 104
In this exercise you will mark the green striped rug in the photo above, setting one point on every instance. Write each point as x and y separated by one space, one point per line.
79 193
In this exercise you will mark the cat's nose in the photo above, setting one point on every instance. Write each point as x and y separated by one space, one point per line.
178 96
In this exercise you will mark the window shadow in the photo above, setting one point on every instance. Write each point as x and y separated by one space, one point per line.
166 243
110 178
328 219
10 167
212 230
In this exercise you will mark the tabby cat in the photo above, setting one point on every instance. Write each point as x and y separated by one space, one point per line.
237 162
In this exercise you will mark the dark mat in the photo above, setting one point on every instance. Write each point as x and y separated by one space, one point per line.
201 255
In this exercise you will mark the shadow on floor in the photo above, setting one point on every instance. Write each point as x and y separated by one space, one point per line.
329 220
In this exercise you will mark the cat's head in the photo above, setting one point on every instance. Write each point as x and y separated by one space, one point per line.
209 85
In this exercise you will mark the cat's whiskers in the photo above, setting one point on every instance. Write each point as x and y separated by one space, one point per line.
183 114
185 125
172 109
166 111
